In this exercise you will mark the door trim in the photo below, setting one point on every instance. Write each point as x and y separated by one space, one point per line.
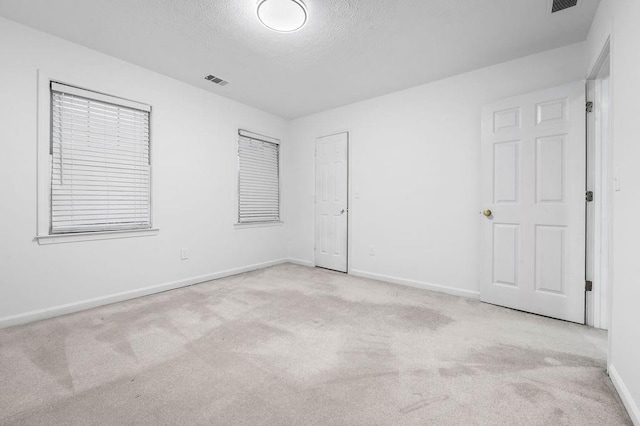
597 312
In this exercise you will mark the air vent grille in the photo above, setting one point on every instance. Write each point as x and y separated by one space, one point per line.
559 5
216 80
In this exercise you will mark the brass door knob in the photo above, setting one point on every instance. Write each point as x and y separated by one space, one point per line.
487 213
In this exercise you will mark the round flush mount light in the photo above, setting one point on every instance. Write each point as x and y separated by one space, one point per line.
283 16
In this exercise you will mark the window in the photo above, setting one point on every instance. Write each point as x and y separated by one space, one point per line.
258 179
100 163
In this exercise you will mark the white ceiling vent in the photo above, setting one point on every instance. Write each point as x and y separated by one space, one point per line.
216 80
559 5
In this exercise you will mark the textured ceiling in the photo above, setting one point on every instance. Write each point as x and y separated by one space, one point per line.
350 50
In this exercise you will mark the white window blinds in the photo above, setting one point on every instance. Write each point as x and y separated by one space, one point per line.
258 180
100 172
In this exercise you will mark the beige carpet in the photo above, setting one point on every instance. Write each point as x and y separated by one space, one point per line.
295 345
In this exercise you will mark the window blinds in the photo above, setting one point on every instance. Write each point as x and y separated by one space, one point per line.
258 180
100 171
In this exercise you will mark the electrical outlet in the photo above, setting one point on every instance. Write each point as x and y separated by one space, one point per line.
184 254
372 250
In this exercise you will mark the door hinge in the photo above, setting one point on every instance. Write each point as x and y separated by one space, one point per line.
588 286
589 106
589 196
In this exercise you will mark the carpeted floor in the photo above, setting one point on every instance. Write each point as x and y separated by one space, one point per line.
296 345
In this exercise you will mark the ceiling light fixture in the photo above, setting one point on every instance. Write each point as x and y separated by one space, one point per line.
283 16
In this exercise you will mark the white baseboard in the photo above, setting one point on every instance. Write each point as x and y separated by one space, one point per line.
625 395
301 262
417 284
119 297
69 308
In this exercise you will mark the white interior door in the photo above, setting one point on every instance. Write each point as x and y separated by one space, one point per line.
331 201
533 182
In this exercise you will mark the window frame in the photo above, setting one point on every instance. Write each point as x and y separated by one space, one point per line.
263 138
44 165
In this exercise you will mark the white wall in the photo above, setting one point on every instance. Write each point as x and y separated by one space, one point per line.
194 137
619 19
415 164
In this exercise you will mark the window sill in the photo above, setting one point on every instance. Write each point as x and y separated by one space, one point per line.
94 236
257 224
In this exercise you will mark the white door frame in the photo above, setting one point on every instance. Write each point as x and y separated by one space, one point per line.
349 204
600 181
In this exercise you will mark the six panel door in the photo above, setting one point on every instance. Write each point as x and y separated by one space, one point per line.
533 182
331 202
